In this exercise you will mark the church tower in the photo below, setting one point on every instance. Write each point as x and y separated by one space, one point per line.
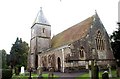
40 37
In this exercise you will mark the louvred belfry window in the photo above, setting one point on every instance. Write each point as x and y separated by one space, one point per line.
99 41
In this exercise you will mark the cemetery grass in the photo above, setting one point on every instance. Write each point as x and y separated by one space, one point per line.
86 75
34 76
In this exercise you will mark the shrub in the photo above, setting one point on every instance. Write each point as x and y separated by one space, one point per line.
6 73
16 71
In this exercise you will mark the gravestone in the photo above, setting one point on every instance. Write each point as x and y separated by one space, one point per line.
105 75
39 73
50 75
22 70
110 72
39 70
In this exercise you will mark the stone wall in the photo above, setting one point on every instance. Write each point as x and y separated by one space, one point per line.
89 42
81 49
52 58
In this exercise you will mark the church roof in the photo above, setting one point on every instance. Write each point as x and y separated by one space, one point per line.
73 33
41 18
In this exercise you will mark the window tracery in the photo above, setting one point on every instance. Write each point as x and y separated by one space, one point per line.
99 41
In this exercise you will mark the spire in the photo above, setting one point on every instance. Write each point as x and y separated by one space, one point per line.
41 18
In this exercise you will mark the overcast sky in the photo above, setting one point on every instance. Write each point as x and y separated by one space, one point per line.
17 16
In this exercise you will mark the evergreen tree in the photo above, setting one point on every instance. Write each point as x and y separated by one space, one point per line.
115 38
4 56
8 60
18 53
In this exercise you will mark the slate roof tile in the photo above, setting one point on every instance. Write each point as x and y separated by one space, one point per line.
73 33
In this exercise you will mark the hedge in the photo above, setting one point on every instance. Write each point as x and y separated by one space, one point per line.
6 73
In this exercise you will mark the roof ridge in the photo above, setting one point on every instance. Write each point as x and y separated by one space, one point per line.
73 26
72 33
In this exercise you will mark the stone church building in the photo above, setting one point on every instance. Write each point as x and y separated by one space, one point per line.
83 41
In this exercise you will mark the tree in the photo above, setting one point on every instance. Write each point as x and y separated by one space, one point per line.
115 38
8 60
24 53
18 53
4 56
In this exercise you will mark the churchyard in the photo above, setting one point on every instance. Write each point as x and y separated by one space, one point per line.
52 75
34 76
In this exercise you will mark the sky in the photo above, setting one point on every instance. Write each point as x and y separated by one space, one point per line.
17 16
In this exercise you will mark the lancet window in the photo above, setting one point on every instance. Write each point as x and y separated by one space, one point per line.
81 52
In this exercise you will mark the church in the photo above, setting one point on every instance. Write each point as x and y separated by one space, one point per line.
82 42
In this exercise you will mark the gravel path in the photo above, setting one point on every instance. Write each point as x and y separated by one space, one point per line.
67 75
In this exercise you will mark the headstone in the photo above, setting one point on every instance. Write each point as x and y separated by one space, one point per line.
39 70
109 68
86 66
105 75
22 70
89 62
50 75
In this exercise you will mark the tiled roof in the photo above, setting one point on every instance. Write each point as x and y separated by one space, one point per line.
72 34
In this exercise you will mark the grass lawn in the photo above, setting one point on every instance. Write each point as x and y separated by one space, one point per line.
86 75
34 76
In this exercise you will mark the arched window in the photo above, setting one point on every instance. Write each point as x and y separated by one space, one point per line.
81 52
99 41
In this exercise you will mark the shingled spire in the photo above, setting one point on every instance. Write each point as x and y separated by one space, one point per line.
41 18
